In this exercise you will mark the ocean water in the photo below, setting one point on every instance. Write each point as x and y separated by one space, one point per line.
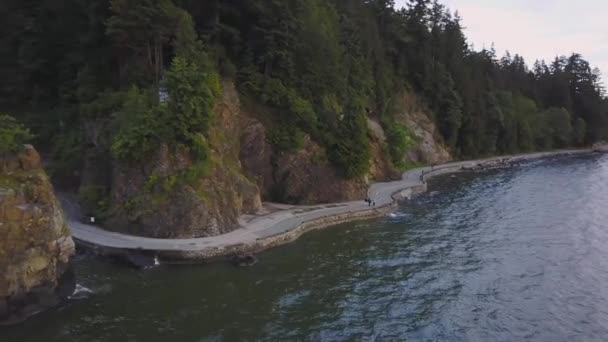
507 255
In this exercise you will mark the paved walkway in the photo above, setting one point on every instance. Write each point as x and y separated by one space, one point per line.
285 221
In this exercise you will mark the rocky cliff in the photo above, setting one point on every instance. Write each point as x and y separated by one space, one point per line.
35 242
170 196
301 177
429 147
162 196
307 177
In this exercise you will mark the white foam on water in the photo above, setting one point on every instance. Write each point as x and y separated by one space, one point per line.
397 214
81 292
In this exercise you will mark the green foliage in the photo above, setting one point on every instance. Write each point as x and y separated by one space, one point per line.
313 72
293 109
103 104
151 182
448 106
556 123
195 173
66 153
140 127
95 201
351 151
286 138
169 183
144 123
143 28
320 66
12 134
399 141
214 83
191 99
295 115
579 131
199 147
228 70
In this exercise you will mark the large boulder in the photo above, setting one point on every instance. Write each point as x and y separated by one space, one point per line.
35 242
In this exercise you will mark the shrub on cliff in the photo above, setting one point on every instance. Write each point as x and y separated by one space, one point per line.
399 140
144 123
139 126
192 94
12 134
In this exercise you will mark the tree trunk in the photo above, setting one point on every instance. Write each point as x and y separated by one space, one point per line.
149 49
161 60
156 60
267 66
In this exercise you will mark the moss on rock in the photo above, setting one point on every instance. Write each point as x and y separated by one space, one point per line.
35 243
174 195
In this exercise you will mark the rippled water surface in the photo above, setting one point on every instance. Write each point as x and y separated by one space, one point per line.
509 255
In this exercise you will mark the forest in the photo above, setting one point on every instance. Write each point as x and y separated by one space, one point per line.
125 75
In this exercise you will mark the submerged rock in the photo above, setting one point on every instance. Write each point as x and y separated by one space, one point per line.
35 242
244 260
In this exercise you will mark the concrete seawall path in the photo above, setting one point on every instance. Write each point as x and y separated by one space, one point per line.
287 223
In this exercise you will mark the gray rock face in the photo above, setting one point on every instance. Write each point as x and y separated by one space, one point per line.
256 155
430 148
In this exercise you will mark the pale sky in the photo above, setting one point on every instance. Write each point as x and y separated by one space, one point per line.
537 29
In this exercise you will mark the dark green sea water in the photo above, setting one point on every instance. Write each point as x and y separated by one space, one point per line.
510 255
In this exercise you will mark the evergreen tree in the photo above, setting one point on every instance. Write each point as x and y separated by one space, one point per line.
98 77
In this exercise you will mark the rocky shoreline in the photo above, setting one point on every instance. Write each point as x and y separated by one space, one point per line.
285 227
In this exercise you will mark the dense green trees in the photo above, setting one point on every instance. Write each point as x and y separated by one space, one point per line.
134 73
12 134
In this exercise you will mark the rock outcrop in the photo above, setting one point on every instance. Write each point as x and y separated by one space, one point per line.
430 148
302 177
155 198
256 154
149 198
35 242
307 177
381 168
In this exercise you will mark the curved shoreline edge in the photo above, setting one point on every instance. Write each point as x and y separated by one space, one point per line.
288 225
